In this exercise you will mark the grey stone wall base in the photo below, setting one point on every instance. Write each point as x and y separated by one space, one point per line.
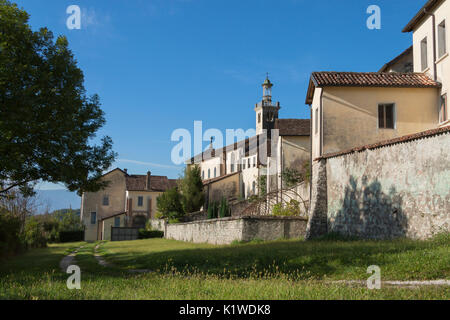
317 223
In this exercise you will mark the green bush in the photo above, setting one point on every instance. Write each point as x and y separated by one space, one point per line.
224 209
146 234
10 236
290 210
213 211
71 236
34 234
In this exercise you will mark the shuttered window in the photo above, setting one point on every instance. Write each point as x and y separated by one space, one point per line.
386 116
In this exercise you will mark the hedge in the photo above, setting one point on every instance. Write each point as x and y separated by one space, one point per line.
71 236
145 234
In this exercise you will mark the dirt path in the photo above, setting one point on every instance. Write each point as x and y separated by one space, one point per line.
68 260
104 263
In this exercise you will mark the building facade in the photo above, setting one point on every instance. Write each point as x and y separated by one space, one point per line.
127 201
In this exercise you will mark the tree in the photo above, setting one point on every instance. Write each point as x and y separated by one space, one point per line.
191 187
169 204
47 121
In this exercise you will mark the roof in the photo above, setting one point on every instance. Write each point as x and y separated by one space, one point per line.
396 59
293 127
157 183
250 147
368 79
212 180
385 143
429 6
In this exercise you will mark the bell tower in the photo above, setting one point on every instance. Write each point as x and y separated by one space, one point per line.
266 110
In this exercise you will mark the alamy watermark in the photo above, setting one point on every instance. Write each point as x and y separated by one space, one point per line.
374 20
74 20
374 281
74 281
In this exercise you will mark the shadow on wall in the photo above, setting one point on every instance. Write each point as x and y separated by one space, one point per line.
367 212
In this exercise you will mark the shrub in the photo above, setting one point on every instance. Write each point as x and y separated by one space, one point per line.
291 209
213 211
10 239
34 234
146 234
224 210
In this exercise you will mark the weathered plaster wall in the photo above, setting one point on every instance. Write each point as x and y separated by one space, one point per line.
400 190
227 187
350 115
227 230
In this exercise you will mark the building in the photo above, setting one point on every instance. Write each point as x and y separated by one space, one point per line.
350 108
234 171
430 48
127 201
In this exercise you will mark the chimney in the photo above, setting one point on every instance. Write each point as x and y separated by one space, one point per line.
125 170
147 182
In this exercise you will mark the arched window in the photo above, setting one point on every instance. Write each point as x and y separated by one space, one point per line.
215 171
209 173
203 175
254 187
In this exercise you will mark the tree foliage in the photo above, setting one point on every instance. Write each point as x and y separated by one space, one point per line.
191 188
169 204
47 121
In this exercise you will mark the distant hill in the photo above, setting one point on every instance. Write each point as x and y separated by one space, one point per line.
57 199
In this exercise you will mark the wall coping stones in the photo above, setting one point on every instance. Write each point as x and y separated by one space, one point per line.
284 218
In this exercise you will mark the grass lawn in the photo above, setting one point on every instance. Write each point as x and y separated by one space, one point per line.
284 269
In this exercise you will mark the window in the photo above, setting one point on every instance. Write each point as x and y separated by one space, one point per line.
441 39
140 201
443 111
209 173
117 222
254 187
259 117
254 162
248 163
317 121
232 162
106 200
215 171
424 53
386 116
243 164
203 175
93 217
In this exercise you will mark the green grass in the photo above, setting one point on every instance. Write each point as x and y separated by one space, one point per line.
284 269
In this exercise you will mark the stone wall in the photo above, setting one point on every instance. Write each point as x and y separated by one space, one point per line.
227 230
394 189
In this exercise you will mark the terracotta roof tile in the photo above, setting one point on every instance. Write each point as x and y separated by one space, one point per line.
293 127
373 79
157 183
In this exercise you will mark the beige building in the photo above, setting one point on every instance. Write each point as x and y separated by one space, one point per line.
430 48
278 143
349 109
128 201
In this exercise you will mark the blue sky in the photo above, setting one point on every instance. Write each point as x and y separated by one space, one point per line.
158 65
